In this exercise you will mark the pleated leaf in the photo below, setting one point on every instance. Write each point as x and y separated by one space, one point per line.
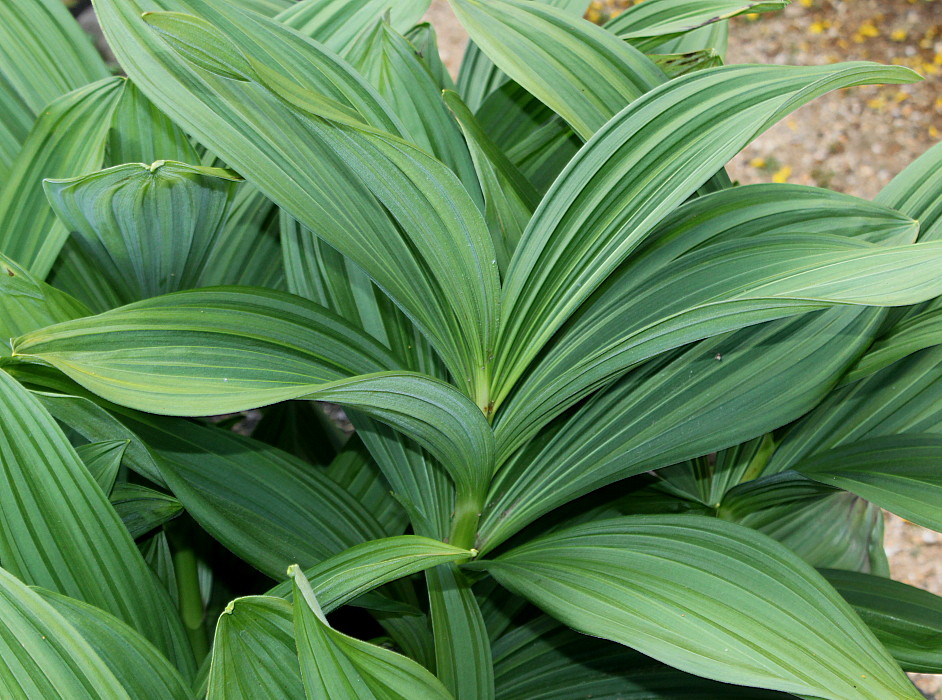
336 24
713 395
62 534
43 656
148 229
68 139
707 597
136 663
542 48
906 620
917 191
611 195
646 27
402 216
714 290
359 569
29 303
103 460
334 665
543 658
141 509
897 472
917 332
43 55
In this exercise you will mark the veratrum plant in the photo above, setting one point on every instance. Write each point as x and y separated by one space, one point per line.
622 429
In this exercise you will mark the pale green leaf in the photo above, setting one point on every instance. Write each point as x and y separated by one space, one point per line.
708 597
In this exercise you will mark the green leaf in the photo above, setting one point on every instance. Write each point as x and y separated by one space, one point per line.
917 191
610 197
543 658
254 653
462 648
478 77
337 24
403 217
675 65
579 70
713 395
391 65
906 620
647 25
43 656
334 665
708 597
263 504
207 352
345 576
103 460
824 526
897 472
509 198
719 288
148 229
136 663
67 139
43 55
142 509
30 303
913 333
61 533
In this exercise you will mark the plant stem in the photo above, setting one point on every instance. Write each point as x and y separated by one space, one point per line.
464 524
190 599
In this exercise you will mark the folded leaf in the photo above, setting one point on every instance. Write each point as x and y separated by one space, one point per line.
43 656
337 24
707 597
645 27
148 229
915 332
103 460
142 509
136 663
897 472
68 139
906 620
610 197
62 534
542 47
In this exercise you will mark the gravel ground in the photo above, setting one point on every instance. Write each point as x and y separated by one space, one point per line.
853 141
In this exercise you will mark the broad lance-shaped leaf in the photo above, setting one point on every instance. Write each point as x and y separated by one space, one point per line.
509 198
541 47
478 77
43 55
207 352
141 509
608 201
708 597
647 25
463 658
254 653
403 217
136 663
543 658
43 656
910 335
68 139
61 533
148 229
713 290
917 191
906 620
345 576
334 665
897 472
337 24
391 65
694 401
103 460
29 303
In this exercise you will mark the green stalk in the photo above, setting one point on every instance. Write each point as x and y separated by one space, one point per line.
464 524
190 599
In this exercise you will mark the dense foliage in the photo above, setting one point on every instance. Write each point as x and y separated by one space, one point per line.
623 428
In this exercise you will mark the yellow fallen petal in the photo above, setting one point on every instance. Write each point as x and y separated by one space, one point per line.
782 174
